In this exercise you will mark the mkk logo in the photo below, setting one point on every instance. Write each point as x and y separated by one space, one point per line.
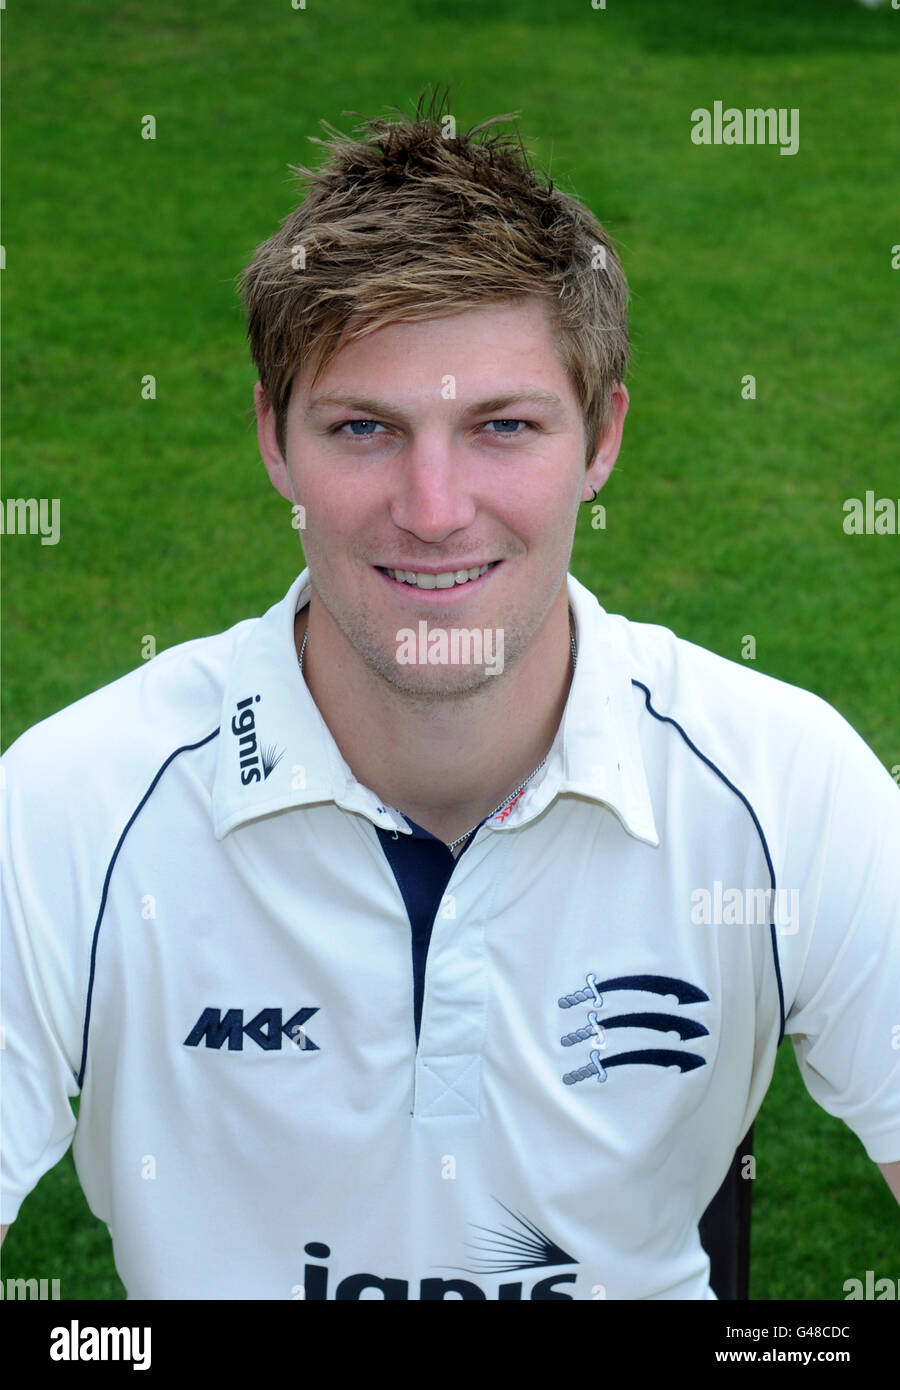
265 1029
257 760
597 1026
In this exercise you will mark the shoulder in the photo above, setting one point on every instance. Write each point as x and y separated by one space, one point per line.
764 734
684 678
105 748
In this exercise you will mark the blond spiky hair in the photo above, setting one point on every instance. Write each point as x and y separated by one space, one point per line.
411 221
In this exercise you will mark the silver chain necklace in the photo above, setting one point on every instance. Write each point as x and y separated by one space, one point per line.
458 841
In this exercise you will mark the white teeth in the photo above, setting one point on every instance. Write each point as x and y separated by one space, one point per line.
438 581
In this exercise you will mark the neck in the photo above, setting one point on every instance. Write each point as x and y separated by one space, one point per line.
446 765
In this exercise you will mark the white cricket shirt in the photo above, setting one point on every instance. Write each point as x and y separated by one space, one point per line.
202 932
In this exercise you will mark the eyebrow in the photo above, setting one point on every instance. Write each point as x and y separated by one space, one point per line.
378 407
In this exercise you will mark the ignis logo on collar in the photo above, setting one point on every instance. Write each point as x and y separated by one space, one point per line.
257 760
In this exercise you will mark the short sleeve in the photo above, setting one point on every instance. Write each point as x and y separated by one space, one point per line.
843 860
41 988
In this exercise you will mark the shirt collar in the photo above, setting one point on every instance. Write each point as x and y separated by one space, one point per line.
276 752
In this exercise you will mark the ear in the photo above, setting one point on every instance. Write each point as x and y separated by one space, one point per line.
609 441
272 457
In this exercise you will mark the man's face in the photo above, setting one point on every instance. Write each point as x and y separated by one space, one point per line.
434 448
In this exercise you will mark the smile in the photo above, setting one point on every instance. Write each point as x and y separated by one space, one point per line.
447 579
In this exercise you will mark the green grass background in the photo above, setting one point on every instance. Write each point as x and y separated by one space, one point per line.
723 515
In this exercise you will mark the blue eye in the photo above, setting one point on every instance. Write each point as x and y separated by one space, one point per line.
365 429
507 422
366 433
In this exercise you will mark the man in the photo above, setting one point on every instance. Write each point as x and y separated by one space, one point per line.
433 935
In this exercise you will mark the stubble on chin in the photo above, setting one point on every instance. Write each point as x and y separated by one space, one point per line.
419 683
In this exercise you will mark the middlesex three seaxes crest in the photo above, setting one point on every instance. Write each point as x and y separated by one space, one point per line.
596 1029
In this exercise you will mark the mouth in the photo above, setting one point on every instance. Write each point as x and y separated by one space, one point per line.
445 581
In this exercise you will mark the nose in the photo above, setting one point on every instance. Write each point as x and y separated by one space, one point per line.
433 493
